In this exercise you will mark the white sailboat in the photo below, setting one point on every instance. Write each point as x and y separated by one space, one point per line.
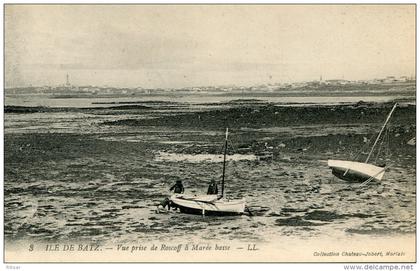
360 171
209 204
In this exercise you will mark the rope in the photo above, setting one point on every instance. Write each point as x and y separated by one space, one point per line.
363 148
232 146
372 177
222 148
388 145
380 145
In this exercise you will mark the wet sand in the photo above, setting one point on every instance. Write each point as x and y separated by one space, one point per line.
98 174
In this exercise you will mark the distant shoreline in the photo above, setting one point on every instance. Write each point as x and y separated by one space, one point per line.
144 105
307 93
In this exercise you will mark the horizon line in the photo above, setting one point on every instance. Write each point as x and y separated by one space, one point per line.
64 84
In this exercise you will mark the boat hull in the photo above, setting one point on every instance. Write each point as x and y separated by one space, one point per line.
355 171
208 205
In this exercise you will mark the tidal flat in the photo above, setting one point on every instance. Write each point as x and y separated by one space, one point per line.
97 174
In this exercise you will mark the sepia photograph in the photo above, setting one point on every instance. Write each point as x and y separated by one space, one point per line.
209 133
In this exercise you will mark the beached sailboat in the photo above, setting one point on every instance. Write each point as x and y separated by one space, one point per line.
210 204
361 171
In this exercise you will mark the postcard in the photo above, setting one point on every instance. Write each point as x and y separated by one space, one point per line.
209 133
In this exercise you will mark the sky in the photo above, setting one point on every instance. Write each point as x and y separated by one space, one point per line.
162 46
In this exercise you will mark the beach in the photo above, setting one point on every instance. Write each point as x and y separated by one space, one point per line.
97 174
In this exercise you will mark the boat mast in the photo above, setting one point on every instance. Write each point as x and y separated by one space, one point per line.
380 133
224 163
